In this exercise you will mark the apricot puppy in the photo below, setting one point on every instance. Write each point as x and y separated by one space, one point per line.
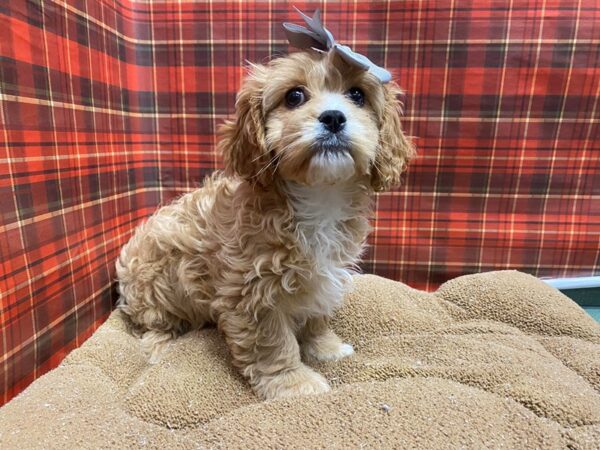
266 250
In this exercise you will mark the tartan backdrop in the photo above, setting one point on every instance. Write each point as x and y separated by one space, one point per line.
109 107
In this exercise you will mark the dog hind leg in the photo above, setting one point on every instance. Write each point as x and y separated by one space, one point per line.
154 344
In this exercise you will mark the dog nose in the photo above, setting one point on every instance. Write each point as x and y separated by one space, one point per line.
333 120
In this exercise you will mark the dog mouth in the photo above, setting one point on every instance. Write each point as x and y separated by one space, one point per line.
331 144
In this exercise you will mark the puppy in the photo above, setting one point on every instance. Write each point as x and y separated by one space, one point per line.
266 250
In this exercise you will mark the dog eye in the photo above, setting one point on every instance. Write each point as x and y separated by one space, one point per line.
356 95
295 97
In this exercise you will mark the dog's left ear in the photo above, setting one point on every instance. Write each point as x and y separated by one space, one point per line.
242 141
395 149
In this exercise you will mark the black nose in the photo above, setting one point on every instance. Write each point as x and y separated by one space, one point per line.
333 120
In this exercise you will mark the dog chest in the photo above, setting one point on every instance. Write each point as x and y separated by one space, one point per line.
326 244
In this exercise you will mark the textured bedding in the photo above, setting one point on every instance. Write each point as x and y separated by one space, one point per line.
496 360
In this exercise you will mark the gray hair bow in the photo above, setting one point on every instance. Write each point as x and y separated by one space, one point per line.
319 38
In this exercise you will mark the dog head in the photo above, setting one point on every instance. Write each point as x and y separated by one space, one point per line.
314 119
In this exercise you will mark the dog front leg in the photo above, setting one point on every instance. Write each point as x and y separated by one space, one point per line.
320 342
266 351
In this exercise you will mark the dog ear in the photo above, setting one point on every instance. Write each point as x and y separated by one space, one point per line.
395 149
242 141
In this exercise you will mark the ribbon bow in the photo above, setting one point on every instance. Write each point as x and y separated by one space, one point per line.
319 38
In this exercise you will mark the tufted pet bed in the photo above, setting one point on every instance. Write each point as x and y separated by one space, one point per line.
496 360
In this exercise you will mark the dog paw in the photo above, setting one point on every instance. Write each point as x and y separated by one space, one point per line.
292 383
155 345
327 347
330 352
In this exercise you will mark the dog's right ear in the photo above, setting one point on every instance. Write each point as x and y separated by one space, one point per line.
243 143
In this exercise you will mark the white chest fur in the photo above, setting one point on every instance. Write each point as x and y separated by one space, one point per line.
322 215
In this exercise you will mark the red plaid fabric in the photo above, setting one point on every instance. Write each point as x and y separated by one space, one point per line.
109 108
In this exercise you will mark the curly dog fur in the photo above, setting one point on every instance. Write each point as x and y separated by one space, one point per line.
266 250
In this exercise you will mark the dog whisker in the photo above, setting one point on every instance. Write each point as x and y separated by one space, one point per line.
271 161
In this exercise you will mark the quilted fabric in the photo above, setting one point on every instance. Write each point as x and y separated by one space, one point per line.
109 108
498 360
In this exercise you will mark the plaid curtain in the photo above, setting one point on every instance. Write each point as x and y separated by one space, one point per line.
109 108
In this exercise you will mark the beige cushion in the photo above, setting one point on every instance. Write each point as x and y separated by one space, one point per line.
496 360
